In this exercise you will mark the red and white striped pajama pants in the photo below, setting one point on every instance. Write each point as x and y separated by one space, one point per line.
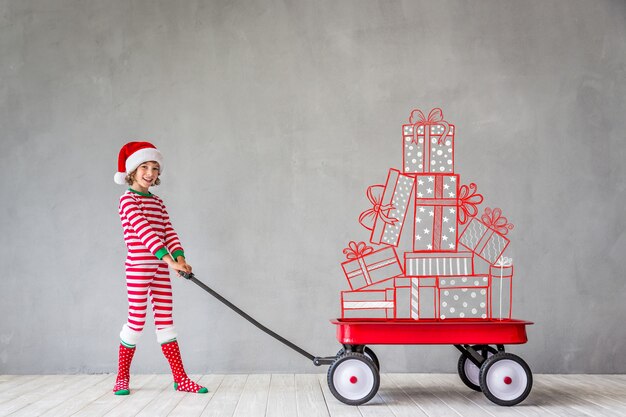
153 282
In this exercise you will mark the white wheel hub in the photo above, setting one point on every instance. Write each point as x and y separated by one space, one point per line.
472 371
353 379
506 380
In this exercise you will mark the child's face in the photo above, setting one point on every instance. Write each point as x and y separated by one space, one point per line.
147 173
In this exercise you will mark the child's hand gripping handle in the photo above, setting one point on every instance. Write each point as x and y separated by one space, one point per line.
186 275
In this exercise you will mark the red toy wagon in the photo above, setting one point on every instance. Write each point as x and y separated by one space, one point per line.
354 373
504 378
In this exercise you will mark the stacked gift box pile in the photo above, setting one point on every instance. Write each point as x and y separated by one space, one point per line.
453 265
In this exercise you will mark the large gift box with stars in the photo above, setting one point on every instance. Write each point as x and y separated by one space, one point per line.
436 206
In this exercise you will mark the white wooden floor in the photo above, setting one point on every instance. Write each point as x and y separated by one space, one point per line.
400 395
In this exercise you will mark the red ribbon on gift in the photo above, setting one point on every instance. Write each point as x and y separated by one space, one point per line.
435 117
368 217
357 250
494 219
469 199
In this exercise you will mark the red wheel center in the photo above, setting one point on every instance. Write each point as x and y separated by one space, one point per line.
354 379
508 380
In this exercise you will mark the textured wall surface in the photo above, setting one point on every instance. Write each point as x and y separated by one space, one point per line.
274 117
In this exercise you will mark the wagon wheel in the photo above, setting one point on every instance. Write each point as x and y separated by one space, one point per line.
353 378
367 352
468 371
505 379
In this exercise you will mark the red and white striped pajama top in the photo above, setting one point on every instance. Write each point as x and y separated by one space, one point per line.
149 236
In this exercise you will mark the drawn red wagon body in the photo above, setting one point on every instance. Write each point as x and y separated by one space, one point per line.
504 378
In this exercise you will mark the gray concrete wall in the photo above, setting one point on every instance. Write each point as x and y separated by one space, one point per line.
274 117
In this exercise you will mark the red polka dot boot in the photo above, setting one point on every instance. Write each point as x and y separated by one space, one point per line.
181 380
123 370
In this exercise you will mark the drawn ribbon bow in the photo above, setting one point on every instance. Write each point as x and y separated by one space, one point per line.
435 117
503 261
357 250
368 217
494 219
469 199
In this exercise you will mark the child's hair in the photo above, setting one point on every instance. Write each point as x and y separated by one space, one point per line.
131 177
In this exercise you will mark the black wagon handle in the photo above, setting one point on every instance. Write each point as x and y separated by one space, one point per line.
317 361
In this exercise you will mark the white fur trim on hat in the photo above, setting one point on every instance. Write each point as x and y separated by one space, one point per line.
129 336
166 334
141 156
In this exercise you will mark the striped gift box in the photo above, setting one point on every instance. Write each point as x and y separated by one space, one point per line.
438 263
368 304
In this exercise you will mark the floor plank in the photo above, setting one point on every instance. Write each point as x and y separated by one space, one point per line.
397 400
555 402
25 385
31 394
579 405
79 400
593 387
253 400
226 396
309 398
281 401
10 381
421 395
70 387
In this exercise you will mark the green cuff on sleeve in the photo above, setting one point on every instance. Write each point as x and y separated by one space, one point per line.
178 253
161 253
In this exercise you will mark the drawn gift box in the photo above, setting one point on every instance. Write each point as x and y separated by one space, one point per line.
402 294
436 208
368 304
485 236
463 297
389 207
365 266
428 143
415 297
501 274
438 263
424 298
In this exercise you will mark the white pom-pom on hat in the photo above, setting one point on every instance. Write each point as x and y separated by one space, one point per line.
134 154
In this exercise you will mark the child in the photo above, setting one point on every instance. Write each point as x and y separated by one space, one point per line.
153 245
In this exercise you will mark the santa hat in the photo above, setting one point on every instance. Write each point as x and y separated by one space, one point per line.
134 154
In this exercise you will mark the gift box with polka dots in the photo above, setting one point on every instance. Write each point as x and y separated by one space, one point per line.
425 150
464 297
